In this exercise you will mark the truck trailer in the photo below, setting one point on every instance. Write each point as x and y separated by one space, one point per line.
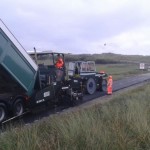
18 75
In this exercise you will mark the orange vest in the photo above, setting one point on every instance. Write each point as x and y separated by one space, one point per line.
109 86
110 82
59 63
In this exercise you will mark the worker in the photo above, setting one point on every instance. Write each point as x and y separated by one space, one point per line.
59 63
109 85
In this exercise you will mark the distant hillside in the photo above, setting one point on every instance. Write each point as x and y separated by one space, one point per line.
106 58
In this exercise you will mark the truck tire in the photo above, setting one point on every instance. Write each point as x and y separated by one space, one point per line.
18 107
3 112
90 86
104 85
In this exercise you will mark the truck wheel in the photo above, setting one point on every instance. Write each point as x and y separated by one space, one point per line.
104 85
3 112
91 86
18 107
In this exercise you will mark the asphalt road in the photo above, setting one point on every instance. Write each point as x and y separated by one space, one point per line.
121 84
117 85
129 81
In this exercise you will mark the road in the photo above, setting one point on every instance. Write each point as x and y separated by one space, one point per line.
117 85
121 84
130 81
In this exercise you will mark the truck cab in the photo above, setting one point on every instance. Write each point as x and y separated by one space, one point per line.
46 62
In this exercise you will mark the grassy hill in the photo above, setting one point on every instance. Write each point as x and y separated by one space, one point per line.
109 58
117 65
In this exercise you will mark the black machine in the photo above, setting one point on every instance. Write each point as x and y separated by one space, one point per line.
55 86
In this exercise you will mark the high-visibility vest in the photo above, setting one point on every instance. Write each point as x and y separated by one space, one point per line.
59 63
109 86
110 82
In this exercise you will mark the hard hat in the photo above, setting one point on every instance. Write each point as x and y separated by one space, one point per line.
110 77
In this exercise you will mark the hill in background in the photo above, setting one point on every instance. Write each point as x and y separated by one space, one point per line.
108 58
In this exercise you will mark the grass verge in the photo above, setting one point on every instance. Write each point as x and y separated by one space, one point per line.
119 71
121 124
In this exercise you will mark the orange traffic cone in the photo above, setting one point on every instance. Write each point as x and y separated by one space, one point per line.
109 85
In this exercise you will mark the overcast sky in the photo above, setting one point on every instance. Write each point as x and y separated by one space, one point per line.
80 26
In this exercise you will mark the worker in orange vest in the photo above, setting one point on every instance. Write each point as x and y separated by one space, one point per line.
59 63
109 85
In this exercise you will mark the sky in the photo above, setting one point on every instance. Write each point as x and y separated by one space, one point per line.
80 26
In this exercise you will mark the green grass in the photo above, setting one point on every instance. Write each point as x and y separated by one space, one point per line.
119 71
110 58
122 124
